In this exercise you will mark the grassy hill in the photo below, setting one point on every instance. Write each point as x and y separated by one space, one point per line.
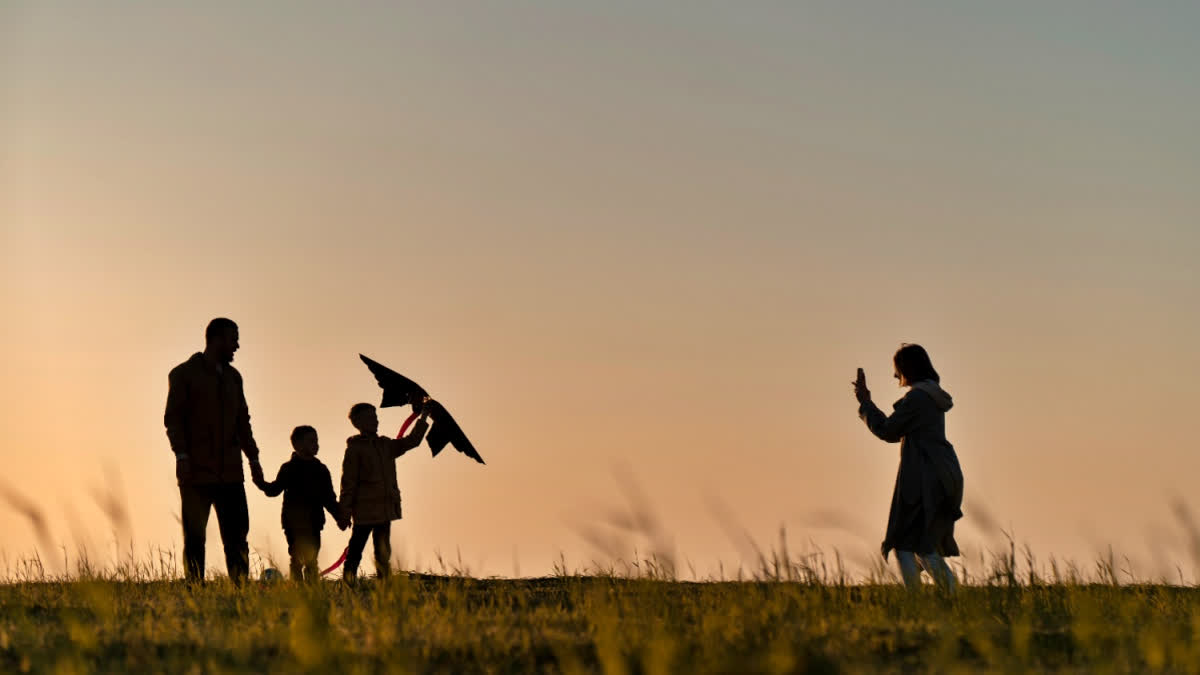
420 623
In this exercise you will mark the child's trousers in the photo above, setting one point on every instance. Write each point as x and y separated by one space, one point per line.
303 547
381 534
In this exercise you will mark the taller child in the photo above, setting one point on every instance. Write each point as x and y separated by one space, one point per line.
370 494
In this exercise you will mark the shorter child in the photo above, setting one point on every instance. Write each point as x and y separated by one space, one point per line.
307 493
370 494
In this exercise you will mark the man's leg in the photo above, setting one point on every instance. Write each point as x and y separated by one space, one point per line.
382 536
233 518
195 503
358 541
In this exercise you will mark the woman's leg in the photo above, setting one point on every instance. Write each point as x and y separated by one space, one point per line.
942 574
908 569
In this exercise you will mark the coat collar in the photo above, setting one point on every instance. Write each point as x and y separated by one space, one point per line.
206 364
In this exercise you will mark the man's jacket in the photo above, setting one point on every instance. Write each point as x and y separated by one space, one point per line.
207 419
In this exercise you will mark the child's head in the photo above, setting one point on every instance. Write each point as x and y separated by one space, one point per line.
304 441
363 417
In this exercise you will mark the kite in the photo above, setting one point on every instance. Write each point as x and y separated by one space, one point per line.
398 390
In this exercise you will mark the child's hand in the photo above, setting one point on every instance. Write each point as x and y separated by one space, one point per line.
343 523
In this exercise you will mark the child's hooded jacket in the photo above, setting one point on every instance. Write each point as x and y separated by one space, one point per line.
370 493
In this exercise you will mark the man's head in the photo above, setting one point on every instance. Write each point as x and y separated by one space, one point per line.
364 418
304 441
221 339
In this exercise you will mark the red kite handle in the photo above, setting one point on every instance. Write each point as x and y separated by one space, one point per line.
407 422
339 562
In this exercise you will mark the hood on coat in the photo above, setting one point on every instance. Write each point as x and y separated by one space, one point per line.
940 398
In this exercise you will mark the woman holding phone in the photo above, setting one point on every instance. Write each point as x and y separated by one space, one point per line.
927 498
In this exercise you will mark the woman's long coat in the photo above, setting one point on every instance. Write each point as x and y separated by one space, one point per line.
927 498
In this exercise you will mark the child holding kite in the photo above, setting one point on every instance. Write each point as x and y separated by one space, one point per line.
370 495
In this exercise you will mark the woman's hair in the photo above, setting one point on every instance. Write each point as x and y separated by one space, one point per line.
912 361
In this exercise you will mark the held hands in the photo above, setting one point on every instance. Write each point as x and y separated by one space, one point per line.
860 387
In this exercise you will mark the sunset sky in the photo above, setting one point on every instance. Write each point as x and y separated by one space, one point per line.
615 239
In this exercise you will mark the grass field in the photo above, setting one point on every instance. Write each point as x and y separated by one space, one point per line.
606 624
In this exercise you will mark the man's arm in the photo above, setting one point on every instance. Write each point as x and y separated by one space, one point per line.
276 486
175 418
245 434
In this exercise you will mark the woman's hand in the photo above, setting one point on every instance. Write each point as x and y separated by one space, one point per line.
860 387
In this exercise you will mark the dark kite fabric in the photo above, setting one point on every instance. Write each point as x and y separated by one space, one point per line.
398 390
446 431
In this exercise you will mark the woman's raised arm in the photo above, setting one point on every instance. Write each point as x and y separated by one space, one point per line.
891 428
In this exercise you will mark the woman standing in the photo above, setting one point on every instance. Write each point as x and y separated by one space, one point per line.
927 498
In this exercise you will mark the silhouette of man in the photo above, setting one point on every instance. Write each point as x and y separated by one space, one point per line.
208 425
